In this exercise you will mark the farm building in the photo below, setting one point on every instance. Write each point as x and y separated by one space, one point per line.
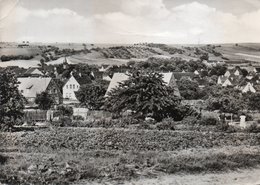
31 86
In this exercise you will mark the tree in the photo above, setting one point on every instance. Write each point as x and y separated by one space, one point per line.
204 56
11 101
254 101
145 94
44 100
225 99
218 70
92 95
189 89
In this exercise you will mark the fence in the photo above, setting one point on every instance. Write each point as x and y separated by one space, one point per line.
36 115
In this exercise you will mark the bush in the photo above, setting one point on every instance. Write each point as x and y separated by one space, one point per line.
253 128
166 124
189 120
208 121
78 117
63 122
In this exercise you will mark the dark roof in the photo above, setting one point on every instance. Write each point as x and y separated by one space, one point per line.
257 69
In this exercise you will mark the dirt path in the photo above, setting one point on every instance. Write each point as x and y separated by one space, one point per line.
242 177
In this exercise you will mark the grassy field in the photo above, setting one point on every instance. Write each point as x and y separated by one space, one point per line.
66 155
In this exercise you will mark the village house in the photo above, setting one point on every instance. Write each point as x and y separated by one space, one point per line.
224 81
69 88
104 68
31 86
117 78
248 88
33 72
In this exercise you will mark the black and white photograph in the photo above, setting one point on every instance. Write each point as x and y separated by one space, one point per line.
129 92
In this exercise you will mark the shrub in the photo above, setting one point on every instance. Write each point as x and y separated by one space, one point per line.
253 128
63 122
210 120
166 124
189 120
78 117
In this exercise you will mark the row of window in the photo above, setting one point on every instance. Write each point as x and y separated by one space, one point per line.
68 95
72 86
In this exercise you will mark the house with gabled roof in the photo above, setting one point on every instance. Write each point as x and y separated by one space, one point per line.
227 73
104 67
33 71
118 78
248 88
68 90
31 86
224 81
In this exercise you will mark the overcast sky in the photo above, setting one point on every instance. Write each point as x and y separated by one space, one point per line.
130 21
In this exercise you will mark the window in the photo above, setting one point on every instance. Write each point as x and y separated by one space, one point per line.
77 86
67 86
70 86
21 91
73 86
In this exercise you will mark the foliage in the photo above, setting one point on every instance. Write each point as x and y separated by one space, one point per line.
166 124
254 101
189 89
218 70
44 100
224 99
145 94
173 64
210 120
92 95
11 101
65 111
5 58
253 128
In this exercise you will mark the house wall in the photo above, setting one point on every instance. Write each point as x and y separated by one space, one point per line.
54 91
70 88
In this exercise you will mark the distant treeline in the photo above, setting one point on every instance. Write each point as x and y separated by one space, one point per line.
5 58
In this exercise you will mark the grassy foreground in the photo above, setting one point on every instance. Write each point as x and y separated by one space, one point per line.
99 154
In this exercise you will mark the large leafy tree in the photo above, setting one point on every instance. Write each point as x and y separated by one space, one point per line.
189 89
254 101
145 94
11 100
44 100
225 99
92 95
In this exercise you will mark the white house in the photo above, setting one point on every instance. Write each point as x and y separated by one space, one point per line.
69 89
196 72
237 73
224 81
227 83
248 88
227 74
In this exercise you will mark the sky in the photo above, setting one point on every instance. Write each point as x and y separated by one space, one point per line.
130 21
